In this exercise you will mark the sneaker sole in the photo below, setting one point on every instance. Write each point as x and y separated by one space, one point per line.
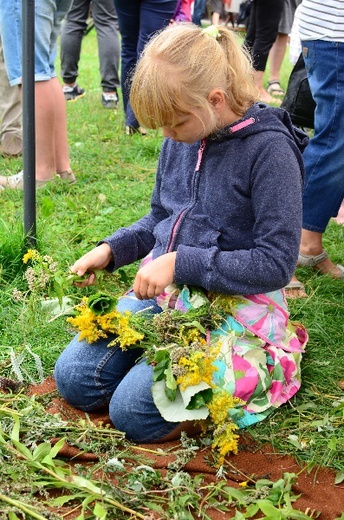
73 99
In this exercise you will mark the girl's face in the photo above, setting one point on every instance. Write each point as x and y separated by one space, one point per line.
188 128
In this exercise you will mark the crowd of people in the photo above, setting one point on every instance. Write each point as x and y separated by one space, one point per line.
225 226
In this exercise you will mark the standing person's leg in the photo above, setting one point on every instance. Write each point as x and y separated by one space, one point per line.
198 11
128 14
262 32
324 183
276 57
216 9
154 16
105 21
10 114
50 121
70 47
279 47
50 110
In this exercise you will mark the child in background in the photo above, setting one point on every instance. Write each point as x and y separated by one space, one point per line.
225 217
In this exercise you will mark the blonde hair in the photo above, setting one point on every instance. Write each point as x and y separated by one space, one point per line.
181 65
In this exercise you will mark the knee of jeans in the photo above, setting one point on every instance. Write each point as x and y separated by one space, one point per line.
67 380
76 388
132 409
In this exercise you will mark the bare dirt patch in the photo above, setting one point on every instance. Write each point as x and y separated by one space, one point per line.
317 490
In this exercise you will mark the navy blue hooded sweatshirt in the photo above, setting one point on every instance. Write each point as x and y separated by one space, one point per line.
229 205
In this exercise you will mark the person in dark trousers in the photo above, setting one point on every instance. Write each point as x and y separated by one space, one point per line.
138 21
105 22
261 34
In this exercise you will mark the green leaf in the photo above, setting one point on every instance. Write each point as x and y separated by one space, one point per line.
57 447
174 411
99 511
170 394
41 451
268 509
62 500
58 291
339 477
162 360
171 383
16 429
196 324
200 399
83 483
23 450
12 516
101 303
251 510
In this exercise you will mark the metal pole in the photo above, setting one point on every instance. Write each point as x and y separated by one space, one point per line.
28 100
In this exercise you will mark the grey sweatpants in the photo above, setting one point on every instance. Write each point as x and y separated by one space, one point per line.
105 22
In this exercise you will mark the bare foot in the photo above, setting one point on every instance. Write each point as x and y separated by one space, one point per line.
265 97
295 289
329 268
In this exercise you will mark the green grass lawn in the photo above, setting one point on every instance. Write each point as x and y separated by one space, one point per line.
115 176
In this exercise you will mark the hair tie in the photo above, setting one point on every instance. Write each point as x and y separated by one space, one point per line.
212 31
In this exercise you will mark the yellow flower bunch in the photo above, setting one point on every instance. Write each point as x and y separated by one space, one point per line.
198 366
190 335
95 326
31 254
224 438
221 402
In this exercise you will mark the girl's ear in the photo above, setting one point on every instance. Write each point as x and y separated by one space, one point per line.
216 98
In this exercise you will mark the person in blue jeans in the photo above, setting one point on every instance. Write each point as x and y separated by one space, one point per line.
322 38
52 156
138 21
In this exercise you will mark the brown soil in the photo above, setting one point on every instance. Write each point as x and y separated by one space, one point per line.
317 490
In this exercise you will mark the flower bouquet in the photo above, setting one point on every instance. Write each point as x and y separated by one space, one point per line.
180 347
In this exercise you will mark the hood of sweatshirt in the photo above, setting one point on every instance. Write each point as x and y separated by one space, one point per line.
258 119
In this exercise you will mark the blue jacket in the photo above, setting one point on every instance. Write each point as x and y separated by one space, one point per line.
229 205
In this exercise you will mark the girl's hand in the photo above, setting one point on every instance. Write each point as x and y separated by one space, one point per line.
97 258
153 277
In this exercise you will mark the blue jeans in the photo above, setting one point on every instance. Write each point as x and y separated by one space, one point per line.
138 20
198 10
48 18
323 157
92 376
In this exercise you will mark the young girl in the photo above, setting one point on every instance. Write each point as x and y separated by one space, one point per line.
225 217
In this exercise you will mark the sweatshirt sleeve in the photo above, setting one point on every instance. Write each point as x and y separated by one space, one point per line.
276 200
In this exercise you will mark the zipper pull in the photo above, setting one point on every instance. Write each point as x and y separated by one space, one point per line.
200 154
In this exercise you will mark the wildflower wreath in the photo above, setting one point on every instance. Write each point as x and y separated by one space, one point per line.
225 361
179 347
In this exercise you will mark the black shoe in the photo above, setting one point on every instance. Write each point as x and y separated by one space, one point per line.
110 100
73 93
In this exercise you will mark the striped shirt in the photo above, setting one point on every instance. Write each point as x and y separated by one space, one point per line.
322 20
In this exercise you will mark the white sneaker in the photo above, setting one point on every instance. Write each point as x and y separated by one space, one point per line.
16 182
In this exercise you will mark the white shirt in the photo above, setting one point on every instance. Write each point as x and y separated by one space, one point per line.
322 20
